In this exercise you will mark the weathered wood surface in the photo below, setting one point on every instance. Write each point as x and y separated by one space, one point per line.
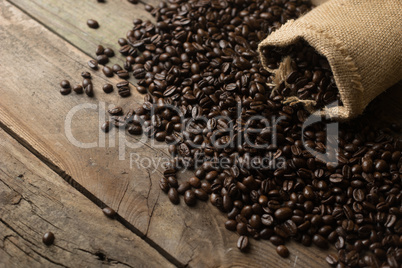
31 108
36 61
34 200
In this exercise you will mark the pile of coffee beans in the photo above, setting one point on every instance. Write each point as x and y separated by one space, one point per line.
209 98
311 77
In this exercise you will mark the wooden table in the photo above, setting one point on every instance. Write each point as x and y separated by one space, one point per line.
49 184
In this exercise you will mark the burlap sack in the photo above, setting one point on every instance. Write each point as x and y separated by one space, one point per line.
362 40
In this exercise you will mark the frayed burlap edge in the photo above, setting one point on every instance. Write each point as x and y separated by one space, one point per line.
339 59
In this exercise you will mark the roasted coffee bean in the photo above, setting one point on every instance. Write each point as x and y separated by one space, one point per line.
109 52
174 196
102 59
65 91
92 24
201 194
116 111
283 213
195 182
135 130
65 84
242 243
48 238
106 126
123 74
183 187
124 92
231 225
99 50
332 259
86 75
86 82
116 68
78 89
107 88
107 71
320 241
109 212
282 251
190 198
93 64
89 90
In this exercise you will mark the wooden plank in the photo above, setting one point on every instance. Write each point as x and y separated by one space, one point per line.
68 20
32 109
34 200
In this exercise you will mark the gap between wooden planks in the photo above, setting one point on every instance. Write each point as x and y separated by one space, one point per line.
34 200
184 233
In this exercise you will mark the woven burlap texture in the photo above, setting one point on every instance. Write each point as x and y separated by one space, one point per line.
362 40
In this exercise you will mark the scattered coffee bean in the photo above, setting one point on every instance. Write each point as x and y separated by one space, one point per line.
93 64
48 238
65 91
109 52
106 126
116 111
86 75
100 50
173 196
242 243
92 24
65 84
190 198
282 251
102 59
107 88
109 212
78 89
107 71
89 90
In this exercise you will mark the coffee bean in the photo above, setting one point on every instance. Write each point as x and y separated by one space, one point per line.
109 52
89 90
93 64
123 74
242 243
231 225
107 88
106 126
102 59
201 194
282 251
173 196
65 84
78 89
283 213
195 182
320 241
107 71
190 198
99 50
332 259
65 91
92 24
48 238
86 75
116 111
109 212
183 187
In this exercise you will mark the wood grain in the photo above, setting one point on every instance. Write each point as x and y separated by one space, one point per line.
34 200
